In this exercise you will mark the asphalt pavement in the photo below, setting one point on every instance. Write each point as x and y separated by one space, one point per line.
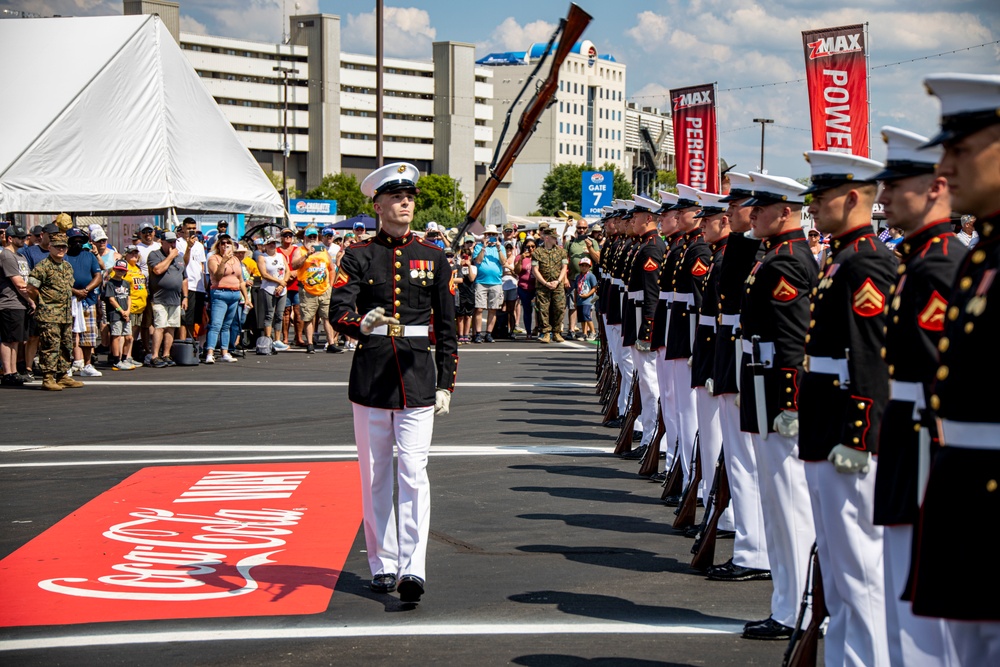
545 548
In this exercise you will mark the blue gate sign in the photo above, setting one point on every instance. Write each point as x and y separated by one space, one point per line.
597 192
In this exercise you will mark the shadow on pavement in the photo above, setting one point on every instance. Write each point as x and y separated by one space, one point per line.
622 558
551 660
580 471
611 608
354 585
590 494
613 522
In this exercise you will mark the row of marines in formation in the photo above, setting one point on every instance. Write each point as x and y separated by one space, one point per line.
848 404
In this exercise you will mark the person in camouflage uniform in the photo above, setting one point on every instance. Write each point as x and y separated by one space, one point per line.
50 284
550 265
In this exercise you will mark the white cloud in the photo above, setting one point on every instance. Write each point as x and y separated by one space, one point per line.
512 36
407 32
70 7
193 26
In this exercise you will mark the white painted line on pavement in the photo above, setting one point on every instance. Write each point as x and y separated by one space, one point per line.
257 383
314 453
382 630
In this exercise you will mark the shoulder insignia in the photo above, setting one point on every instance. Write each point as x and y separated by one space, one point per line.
784 291
931 317
700 268
868 300
651 265
341 280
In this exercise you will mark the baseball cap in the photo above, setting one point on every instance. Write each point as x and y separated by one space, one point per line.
169 236
359 224
131 248
58 239
17 232
328 231
270 239
98 235
51 228
432 226
36 230
312 231
468 238
75 233
585 260
287 230
121 265
144 226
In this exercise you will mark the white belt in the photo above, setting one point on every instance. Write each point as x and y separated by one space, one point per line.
971 435
666 296
637 295
766 351
729 320
911 392
401 331
617 282
706 321
683 297
829 366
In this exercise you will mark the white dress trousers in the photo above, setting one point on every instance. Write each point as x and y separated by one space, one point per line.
850 555
624 362
668 406
914 641
788 522
649 391
977 642
687 413
710 438
395 549
749 545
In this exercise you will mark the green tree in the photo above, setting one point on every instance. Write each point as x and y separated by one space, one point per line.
666 180
346 190
564 184
276 182
439 190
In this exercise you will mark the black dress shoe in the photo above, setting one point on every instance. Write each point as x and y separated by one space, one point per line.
732 572
635 454
692 531
410 588
383 583
658 477
672 501
614 423
725 534
750 624
769 629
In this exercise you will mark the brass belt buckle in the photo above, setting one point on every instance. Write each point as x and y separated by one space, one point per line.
395 330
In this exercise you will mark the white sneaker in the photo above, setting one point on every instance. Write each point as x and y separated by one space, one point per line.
228 358
123 365
76 368
279 346
131 362
209 358
89 371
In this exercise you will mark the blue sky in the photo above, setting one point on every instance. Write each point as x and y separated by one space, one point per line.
665 44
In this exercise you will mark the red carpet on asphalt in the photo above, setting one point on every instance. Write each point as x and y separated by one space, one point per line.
191 542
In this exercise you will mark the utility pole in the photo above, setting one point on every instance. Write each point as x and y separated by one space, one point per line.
763 122
285 71
378 96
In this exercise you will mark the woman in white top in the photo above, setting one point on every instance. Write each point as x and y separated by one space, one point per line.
274 276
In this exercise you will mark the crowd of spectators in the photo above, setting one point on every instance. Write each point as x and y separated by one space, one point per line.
131 306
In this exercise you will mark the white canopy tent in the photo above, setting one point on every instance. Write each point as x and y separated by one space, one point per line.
106 115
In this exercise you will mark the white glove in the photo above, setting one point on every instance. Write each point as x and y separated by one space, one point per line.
736 402
849 461
710 386
642 345
376 318
690 362
442 402
787 423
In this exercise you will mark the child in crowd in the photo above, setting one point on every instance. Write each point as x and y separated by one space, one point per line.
586 294
465 276
117 299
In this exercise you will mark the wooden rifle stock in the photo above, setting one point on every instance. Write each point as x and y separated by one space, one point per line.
803 647
689 505
624 442
674 482
704 544
572 28
651 461
611 407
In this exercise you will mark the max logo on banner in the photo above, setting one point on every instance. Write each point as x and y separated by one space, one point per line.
694 99
831 46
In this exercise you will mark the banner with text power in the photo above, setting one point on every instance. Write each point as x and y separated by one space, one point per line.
191 542
598 191
837 76
696 139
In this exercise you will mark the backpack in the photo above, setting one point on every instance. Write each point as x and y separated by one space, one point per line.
265 346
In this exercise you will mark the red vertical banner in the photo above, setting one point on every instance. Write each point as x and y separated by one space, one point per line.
837 76
696 137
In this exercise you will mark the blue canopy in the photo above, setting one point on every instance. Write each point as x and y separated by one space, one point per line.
349 222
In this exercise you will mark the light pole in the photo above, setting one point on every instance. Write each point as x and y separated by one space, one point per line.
763 122
285 71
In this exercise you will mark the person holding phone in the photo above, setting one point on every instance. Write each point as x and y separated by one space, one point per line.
313 267
489 258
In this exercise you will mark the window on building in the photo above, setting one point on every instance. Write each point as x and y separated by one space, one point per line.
560 107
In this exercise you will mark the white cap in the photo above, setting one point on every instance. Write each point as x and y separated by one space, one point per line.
830 170
775 190
491 229
98 234
619 205
431 226
667 199
585 260
740 187
711 204
390 178
969 103
646 204
904 156
687 197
